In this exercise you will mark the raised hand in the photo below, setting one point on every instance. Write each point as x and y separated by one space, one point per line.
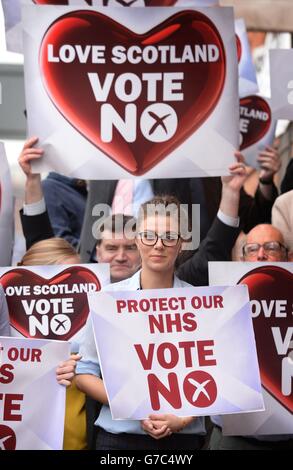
66 370
269 160
29 153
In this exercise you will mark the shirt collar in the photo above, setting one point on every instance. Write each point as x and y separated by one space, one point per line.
135 281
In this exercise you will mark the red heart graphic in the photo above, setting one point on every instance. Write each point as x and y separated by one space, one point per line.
7 438
69 88
70 276
257 127
271 283
238 48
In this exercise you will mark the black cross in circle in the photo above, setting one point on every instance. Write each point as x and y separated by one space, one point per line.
159 122
60 323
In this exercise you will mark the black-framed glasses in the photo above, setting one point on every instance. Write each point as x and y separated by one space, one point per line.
250 250
150 238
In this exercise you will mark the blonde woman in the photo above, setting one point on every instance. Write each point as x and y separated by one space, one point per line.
59 251
50 251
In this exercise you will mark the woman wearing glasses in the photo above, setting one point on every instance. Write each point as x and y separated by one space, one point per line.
159 240
160 234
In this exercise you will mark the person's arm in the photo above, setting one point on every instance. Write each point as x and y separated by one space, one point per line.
269 160
33 188
88 370
92 386
65 205
231 186
257 210
66 370
223 233
35 221
36 228
162 425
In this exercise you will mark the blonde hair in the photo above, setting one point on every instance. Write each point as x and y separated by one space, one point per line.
51 251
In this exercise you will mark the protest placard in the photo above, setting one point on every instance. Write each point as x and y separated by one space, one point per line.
270 290
32 403
12 12
257 127
281 77
50 302
132 92
184 351
6 210
247 76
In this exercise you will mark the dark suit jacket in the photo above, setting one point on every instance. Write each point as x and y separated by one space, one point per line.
65 201
36 228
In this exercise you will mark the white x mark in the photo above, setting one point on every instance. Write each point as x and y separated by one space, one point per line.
200 388
4 439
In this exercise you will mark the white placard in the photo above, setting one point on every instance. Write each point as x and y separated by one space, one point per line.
189 351
12 12
257 127
32 405
282 82
6 210
247 76
270 290
50 302
123 117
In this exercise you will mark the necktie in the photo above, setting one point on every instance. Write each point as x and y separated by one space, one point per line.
123 197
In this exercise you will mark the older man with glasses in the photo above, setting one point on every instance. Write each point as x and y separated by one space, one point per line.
264 243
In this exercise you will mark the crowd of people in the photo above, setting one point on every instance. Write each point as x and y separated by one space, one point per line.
145 250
